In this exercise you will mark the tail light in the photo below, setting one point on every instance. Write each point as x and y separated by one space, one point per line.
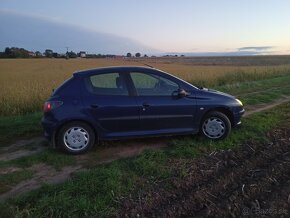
49 105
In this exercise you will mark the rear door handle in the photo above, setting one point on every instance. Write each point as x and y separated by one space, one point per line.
94 105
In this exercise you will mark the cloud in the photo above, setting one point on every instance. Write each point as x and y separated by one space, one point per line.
36 32
32 15
215 54
256 48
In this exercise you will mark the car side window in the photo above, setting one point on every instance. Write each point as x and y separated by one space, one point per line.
153 85
107 84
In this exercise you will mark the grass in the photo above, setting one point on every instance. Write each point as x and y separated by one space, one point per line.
7 181
265 96
97 191
26 83
24 126
50 156
253 128
249 87
93 192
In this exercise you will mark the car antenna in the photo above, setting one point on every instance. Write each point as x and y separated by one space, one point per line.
148 65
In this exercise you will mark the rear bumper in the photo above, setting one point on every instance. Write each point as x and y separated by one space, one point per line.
49 128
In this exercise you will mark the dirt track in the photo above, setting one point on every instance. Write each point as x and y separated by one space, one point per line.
43 173
261 107
253 180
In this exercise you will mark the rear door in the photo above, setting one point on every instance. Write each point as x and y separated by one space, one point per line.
161 110
108 101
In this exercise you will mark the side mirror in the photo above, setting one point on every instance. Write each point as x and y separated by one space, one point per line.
182 93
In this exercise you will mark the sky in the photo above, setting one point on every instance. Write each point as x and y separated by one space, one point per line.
174 26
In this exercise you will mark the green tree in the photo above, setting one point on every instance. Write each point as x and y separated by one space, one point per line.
71 54
48 53
55 55
7 51
137 55
15 52
129 55
38 54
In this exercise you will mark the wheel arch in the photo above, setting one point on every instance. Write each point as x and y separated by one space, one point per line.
225 111
56 131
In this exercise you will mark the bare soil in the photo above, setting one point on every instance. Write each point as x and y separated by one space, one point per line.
8 170
251 181
42 174
22 148
122 148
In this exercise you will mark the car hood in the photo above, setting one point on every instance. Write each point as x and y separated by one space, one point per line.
215 92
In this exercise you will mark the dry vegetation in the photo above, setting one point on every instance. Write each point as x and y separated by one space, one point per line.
26 83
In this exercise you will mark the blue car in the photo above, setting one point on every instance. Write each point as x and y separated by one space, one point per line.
128 101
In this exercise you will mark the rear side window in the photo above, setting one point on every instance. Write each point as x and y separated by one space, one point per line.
107 84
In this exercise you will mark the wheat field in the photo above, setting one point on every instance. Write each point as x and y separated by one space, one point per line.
26 83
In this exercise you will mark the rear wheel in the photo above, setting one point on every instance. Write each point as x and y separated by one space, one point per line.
215 125
76 137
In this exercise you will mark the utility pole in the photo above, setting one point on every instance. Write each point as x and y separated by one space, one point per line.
67 56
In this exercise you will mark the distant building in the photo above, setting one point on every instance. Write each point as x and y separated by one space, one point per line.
82 54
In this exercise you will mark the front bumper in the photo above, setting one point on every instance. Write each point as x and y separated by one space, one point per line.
237 117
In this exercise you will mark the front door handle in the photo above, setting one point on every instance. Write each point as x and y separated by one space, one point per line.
145 104
94 105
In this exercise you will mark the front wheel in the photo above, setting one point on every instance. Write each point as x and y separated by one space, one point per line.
215 125
76 137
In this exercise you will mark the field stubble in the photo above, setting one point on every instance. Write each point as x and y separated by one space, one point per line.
26 83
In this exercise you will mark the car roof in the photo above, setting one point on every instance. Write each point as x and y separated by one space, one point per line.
89 72
111 68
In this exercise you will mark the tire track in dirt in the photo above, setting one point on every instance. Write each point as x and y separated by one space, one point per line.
45 174
251 109
21 148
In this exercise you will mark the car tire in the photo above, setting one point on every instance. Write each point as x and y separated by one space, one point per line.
76 137
215 125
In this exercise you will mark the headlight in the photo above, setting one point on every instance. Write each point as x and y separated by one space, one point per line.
239 102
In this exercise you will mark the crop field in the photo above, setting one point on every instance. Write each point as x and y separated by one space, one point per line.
26 83
245 175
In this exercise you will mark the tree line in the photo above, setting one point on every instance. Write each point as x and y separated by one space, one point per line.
14 52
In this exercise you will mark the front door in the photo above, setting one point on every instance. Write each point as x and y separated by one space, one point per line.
162 111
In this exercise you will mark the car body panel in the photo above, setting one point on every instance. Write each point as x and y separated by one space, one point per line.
131 115
166 112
